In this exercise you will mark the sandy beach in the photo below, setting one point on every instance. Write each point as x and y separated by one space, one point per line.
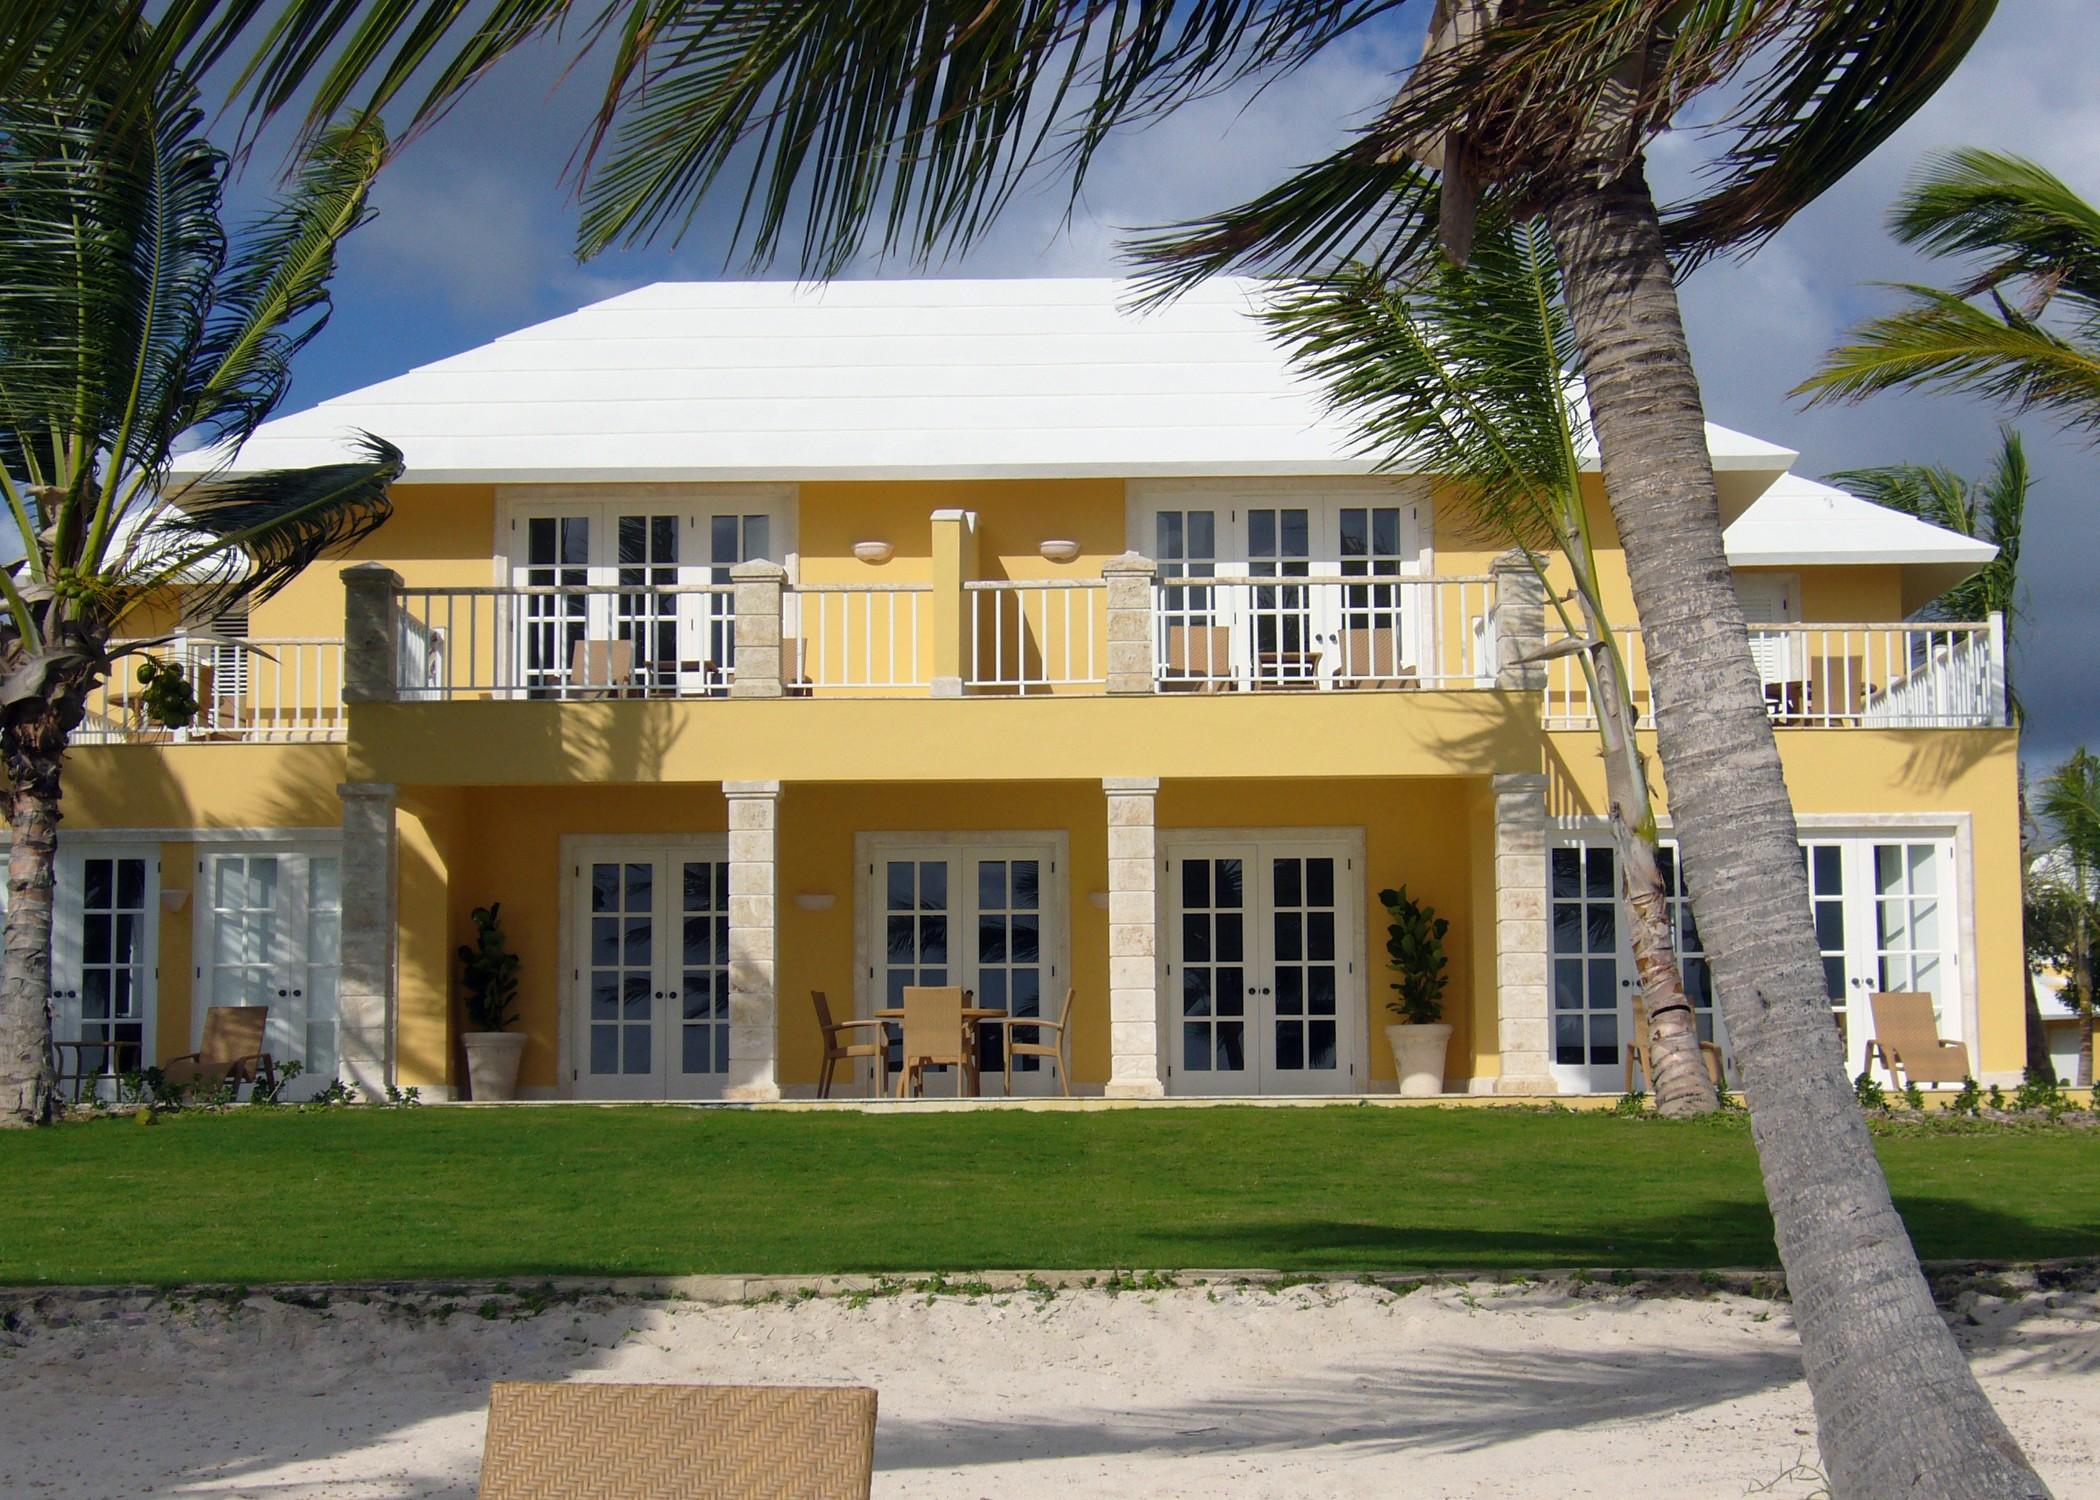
1459 1389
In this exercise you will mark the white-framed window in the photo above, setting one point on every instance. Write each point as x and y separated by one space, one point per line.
983 911
105 946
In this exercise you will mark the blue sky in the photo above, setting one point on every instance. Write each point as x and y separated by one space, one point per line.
477 218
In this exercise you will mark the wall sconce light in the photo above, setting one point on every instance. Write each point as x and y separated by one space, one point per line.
815 900
1059 551
1099 898
874 552
173 900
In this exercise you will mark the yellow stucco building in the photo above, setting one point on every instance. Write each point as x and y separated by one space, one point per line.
746 641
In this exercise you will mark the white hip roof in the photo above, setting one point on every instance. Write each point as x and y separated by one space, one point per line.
919 379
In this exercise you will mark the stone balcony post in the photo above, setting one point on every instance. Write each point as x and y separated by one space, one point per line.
754 888
1520 624
370 638
1130 627
365 976
761 588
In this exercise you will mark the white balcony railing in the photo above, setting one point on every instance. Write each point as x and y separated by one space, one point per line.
1897 676
252 689
1324 633
1033 636
857 635
564 642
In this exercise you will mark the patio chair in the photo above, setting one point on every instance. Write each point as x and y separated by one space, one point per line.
1908 1043
1371 659
838 1050
232 1051
601 669
1053 1048
1637 1051
84 1063
603 1441
1199 658
933 1037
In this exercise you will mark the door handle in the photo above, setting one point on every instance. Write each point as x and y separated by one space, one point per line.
281 994
297 993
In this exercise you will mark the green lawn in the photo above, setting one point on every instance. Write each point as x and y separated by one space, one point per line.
354 1195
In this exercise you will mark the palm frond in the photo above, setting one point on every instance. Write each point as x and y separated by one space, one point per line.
1939 342
2017 220
2068 802
245 536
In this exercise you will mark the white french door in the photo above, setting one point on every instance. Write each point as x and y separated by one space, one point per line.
651 977
1283 634
1884 916
105 942
625 553
269 932
988 917
1263 990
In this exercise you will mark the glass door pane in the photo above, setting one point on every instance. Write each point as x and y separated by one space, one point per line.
731 539
1374 638
1303 969
1834 930
1193 643
1279 545
557 556
646 558
105 997
1587 984
1910 930
702 978
914 895
1209 986
620 1055
244 911
1009 966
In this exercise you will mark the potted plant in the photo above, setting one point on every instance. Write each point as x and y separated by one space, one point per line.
1414 946
489 978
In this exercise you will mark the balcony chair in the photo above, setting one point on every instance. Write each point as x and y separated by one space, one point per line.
601 669
1371 659
1199 659
1054 1048
838 1050
792 682
1637 1051
1908 1043
934 1037
232 1051
586 1439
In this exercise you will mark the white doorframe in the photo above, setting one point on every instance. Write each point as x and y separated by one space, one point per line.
69 921
1352 942
1054 936
293 955
573 913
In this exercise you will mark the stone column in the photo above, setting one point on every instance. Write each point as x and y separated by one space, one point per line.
754 1004
759 590
1523 1004
365 985
1130 627
1520 624
1133 938
369 638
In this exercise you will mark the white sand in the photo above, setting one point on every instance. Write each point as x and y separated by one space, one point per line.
1455 1391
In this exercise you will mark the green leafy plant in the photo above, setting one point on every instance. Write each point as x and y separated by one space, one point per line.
166 695
1969 1101
1997 1097
1414 946
1913 1096
489 973
1633 1102
2041 1091
1871 1094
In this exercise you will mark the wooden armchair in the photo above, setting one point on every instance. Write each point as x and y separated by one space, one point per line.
837 1049
601 669
933 1037
1637 1051
594 1440
232 1050
1371 659
1908 1043
1199 659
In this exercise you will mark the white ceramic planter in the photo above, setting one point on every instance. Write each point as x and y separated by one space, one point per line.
1418 1057
492 1063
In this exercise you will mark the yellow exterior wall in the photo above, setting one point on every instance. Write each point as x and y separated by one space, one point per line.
1961 776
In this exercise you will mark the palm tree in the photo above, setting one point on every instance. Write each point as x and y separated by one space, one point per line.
908 126
129 323
1463 374
1992 509
2023 330
2070 806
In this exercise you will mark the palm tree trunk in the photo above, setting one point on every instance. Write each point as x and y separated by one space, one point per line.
1676 1069
32 739
1898 1412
